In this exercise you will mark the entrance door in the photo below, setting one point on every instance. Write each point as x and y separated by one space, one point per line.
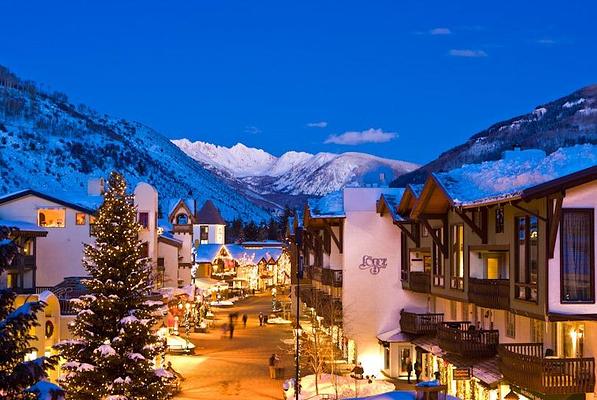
405 358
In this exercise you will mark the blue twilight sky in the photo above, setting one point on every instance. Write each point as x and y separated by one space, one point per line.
418 76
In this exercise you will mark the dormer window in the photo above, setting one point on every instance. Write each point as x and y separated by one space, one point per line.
182 219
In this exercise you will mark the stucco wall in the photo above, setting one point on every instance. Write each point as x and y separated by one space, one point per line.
59 254
371 302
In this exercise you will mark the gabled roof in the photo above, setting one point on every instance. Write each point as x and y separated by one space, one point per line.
411 194
562 183
209 214
389 203
177 205
519 171
167 238
79 202
433 200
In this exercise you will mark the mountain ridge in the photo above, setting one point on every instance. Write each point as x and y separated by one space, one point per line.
294 172
566 121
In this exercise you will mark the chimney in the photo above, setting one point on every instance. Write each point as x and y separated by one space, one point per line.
95 187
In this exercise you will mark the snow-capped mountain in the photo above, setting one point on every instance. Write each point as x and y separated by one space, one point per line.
560 123
294 173
50 145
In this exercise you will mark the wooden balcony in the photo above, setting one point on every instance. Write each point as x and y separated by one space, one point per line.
420 282
182 228
489 293
419 324
462 338
525 365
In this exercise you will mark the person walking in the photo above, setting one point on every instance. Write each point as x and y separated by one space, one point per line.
260 319
418 371
245 317
232 317
409 368
273 363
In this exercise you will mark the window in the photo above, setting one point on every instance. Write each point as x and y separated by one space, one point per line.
527 257
510 324
453 310
144 249
386 357
537 331
573 339
438 262
204 234
425 231
144 220
182 219
80 218
499 220
51 217
577 256
12 280
404 258
457 246
91 224
161 262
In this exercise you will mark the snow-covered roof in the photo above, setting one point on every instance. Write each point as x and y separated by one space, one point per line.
329 206
391 202
23 226
394 336
416 188
75 200
206 253
519 170
168 237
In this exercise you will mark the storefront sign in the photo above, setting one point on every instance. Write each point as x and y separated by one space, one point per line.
374 265
462 374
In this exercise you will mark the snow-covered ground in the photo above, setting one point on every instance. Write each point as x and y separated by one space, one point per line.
278 321
345 386
398 395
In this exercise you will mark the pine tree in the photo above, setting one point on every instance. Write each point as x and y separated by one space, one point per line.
18 378
114 348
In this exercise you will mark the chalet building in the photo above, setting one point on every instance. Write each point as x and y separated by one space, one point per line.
351 278
485 274
54 227
507 263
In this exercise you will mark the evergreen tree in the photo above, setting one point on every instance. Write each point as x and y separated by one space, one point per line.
19 379
114 348
251 231
273 232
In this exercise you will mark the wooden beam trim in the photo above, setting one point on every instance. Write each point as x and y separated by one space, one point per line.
542 218
408 233
436 239
554 223
476 230
329 229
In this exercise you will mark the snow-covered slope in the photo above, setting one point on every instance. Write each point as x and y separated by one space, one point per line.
48 144
560 123
294 172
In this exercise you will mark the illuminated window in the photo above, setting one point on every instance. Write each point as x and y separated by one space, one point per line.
51 217
80 218
499 220
537 330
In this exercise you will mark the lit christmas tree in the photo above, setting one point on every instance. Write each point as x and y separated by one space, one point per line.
113 353
20 379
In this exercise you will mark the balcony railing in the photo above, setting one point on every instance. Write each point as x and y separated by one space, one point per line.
464 339
419 324
525 365
490 293
420 282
